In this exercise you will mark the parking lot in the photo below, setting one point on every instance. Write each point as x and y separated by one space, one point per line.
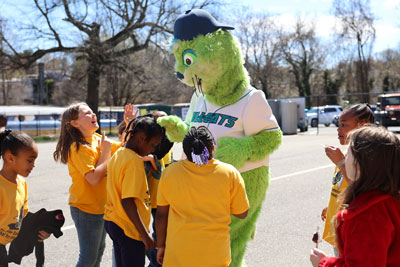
299 190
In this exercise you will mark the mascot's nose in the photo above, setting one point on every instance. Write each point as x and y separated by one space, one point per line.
180 76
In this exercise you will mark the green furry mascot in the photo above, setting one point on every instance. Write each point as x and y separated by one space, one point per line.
239 117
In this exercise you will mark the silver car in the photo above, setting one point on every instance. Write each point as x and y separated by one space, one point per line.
323 115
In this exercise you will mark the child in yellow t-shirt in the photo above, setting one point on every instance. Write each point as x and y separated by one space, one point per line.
87 155
155 164
351 118
19 153
128 209
121 130
195 200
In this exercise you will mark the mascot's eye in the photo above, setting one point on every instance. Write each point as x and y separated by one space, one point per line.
189 57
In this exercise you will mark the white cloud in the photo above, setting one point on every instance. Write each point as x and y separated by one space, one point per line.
387 36
324 25
391 4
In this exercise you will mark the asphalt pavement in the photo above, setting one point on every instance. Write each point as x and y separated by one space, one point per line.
300 185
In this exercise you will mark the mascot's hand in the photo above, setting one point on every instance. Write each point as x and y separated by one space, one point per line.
235 151
174 126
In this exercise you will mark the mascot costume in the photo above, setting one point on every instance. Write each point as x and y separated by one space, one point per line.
209 59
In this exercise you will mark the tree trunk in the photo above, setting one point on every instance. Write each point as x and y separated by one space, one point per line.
92 98
264 84
5 93
363 72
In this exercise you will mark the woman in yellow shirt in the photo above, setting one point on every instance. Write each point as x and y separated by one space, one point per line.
128 209
195 199
87 155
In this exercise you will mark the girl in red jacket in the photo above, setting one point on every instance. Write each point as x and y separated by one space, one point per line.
368 226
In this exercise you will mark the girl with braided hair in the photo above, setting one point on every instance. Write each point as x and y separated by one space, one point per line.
196 197
128 208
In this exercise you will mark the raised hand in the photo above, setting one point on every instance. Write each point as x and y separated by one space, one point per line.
334 154
129 114
105 143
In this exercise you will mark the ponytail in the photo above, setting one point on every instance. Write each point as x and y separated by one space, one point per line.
14 142
198 145
362 112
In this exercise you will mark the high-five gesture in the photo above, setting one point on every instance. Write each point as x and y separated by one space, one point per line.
128 114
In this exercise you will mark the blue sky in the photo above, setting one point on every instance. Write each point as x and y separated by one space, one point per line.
387 13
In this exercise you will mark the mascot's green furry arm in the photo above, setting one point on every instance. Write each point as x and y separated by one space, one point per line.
239 117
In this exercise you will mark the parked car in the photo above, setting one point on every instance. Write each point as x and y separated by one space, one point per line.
322 115
388 110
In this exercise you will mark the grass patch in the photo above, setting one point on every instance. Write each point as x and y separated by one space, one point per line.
45 138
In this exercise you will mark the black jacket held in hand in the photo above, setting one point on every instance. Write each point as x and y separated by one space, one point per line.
27 239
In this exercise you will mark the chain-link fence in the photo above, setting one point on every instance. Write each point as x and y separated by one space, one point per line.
344 100
45 120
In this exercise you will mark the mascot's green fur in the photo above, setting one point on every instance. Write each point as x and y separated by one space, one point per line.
213 64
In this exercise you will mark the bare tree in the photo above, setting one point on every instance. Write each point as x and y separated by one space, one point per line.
259 37
357 24
106 29
144 77
387 65
72 89
301 50
160 77
5 72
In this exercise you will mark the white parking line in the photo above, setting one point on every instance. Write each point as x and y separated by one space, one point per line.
67 227
272 179
301 172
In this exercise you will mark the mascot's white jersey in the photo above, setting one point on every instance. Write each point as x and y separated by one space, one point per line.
250 115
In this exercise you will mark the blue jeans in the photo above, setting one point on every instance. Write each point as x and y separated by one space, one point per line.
91 236
152 254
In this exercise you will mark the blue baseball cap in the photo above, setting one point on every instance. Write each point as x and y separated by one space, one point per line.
196 22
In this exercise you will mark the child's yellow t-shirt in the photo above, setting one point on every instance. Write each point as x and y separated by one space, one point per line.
84 196
13 208
126 178
201 200
339 184
153 182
